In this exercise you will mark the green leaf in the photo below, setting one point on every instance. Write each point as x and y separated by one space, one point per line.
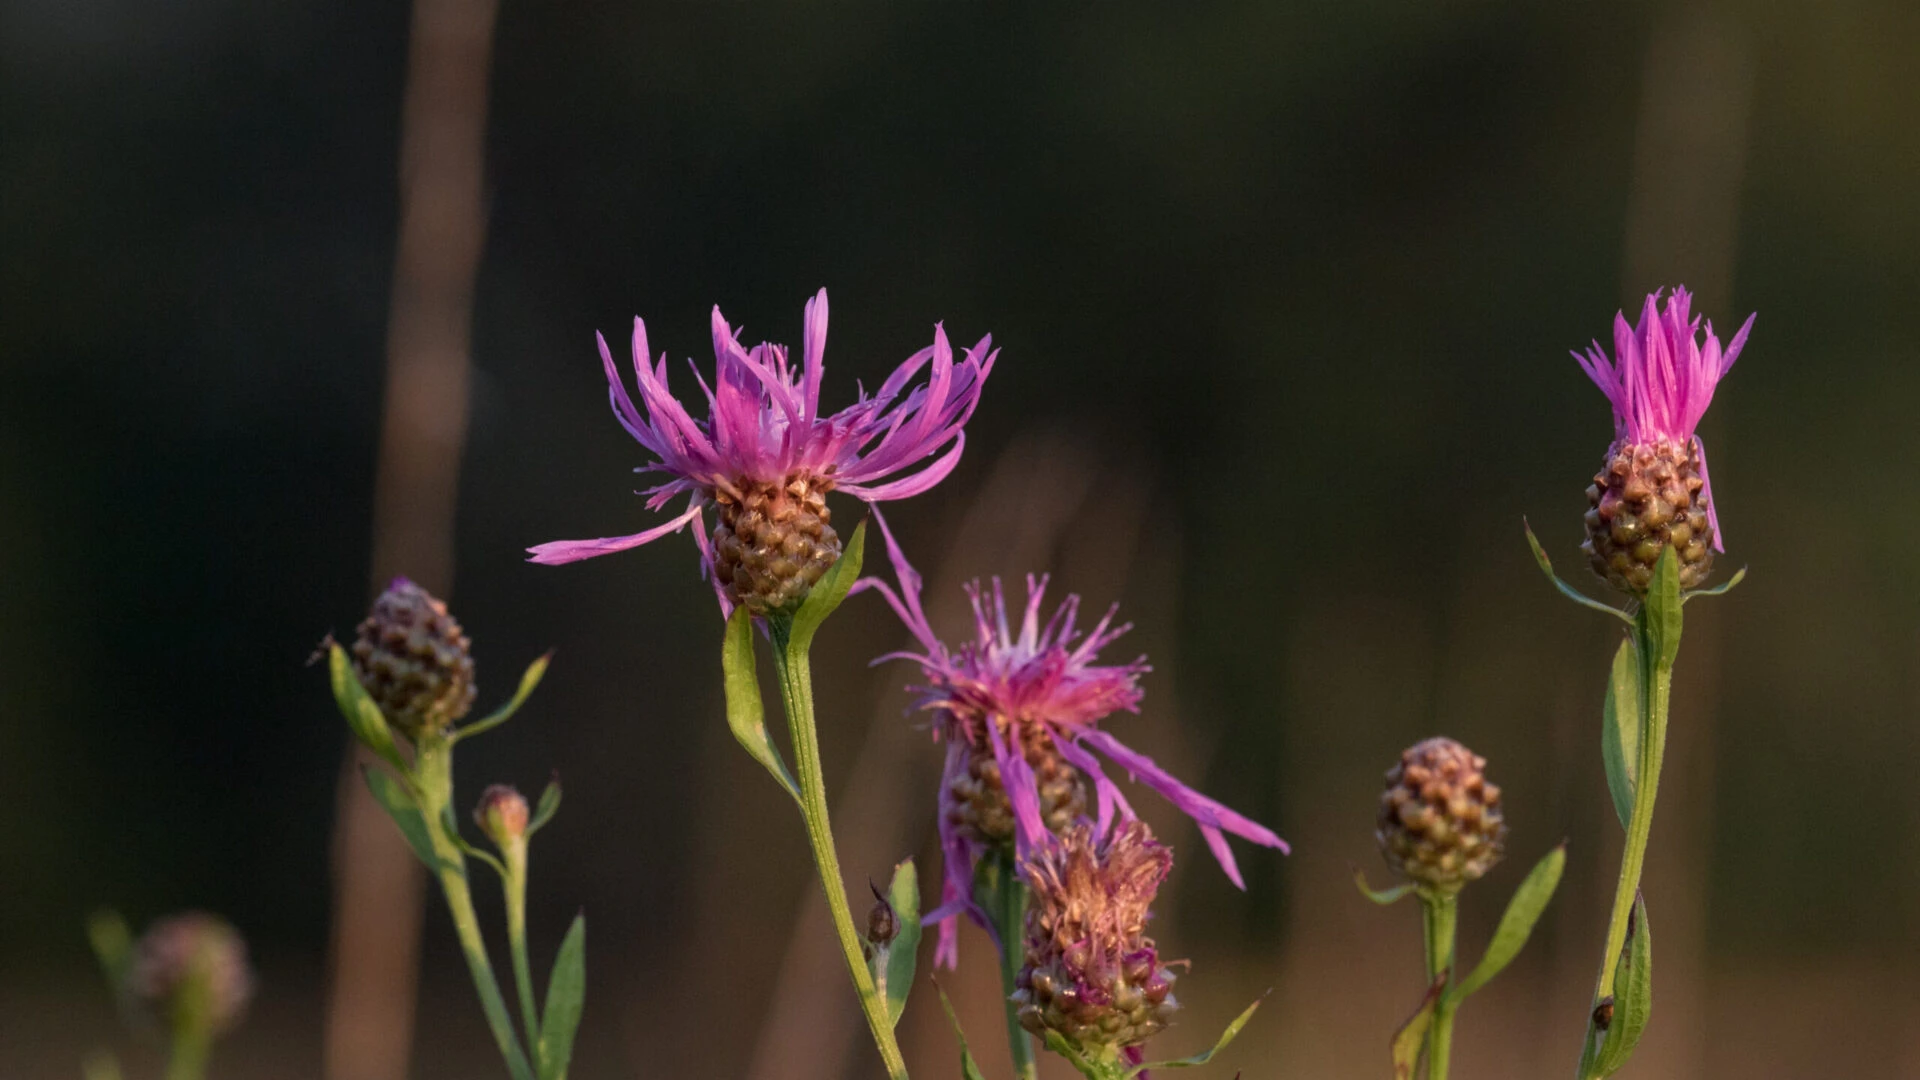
368 724
1517 923
566 997
1632 995
827 594
1058 1043
969 1069
1546 567
405 812
549 805
112 944
1620 728
528 680
746 714
1412 1035
1660 611
1203 1057
1382 897
1721 589
894 966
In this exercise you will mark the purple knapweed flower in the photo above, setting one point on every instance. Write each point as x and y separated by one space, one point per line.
1653 491
1091 974
1018 709
766 455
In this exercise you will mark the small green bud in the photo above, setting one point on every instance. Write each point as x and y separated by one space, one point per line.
502 815
414 660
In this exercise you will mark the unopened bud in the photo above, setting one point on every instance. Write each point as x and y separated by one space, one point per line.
1440 824
191 970
502 814
414 660
883 924
1646 498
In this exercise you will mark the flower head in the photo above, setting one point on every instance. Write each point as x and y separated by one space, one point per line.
191 970
1653 492
1091 974
415 660
1440 824
1018 707
766 455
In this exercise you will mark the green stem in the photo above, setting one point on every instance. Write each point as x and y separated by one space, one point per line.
1439 916
796 692
1006 907
514 884
187 1057
433 778
1656 681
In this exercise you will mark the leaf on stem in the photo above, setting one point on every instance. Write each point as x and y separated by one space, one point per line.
1205 1056
400 805
1058 1043
112 945
893 967
1632 994
827 593
528 680
548 806
1412 1035
1517 923
566 997
1546 567
1660 610
1620 729
364 718
1382 897
1721 589
969 1069
746 714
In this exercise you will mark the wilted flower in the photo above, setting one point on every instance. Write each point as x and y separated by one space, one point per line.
191 970
766 456
414 660
1091 972
1653 491
1018 709
1440 824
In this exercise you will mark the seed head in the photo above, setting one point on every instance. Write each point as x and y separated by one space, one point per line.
1092 975
414 660
502 814
1440 824
191 969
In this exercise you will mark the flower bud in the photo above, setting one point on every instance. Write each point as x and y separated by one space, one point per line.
1091 974
883 923
191 969
502 815
414 660
1646 498
1440 824
773 542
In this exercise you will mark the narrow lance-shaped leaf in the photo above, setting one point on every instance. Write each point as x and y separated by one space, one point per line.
1546 567
969 1069
1204 1056
1660 613
746 714
112 945
1413 1034
363 717
566 998
1721 589
528 680
827 593
1620 723
1382 897
548 806
1517 923
1632 995
399 804
903 895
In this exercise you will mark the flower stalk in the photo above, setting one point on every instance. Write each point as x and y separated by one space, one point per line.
1003 894
1439 916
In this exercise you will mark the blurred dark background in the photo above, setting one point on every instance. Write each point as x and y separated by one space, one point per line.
1285 293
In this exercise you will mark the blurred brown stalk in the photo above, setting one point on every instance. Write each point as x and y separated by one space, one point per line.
377 886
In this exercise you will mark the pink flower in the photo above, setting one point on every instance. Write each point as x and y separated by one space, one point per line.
1036 692
1662 378
765 430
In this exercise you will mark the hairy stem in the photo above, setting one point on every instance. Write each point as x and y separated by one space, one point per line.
433 777
796 693
1439 915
